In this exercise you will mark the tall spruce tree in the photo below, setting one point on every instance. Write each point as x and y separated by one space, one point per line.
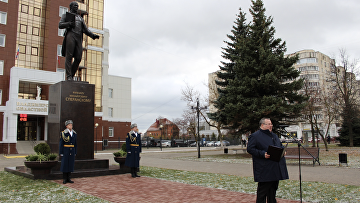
227 73
257 81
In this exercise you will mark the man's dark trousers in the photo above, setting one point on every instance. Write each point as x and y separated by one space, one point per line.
73 49
267 190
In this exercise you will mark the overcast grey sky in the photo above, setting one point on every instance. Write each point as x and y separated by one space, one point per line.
163 44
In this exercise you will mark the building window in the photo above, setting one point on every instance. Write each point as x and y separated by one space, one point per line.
1 67
4 1
307 60
2 17
34 51
62 10
37 11
110 112
308 68
0 97
22 49
59 47
310 76
313 84
110 93
24 8
27 90
23 28
35 31
111 131
2 40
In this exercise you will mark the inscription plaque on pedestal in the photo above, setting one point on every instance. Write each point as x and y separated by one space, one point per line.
71 100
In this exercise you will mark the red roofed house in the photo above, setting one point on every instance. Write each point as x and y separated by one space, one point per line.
163 128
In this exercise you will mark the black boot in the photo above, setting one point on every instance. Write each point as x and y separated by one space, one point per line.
133 172
64 178
68 178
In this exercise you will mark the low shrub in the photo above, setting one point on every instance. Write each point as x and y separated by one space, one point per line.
120 153
123 147
42 148
52 157
32 157
42 153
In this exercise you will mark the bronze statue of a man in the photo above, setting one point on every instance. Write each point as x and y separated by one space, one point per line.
72 44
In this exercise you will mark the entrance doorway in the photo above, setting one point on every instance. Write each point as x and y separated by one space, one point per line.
30 127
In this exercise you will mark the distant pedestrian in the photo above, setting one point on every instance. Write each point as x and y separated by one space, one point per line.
266 172
67 151
133 148
244 142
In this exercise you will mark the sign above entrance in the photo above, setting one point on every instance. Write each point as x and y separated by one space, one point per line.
28 106
23 117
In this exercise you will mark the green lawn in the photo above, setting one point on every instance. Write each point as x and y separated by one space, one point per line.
15 188
288 189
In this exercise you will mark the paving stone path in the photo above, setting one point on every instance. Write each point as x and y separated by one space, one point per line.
123 188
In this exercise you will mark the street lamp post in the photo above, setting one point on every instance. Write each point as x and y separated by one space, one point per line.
96 125
198 109
188 138
161 127
170 139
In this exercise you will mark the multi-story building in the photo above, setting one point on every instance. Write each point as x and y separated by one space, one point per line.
315 69
31 61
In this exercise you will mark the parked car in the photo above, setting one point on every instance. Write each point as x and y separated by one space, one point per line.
166 143
152 143
194 144
180 143
204 143
210 144
191 142
226 143
144 143
149 142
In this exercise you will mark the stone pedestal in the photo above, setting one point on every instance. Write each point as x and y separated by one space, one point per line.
72 100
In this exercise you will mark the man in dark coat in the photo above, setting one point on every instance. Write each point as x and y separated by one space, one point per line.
133 148
266 172
72 44
67 151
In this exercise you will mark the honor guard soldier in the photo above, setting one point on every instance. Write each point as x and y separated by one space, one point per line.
133 148
67 151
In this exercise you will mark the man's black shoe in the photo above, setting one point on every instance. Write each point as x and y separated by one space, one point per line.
70 181
64 181
136 175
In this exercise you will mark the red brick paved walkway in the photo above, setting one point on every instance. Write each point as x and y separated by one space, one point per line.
123 188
